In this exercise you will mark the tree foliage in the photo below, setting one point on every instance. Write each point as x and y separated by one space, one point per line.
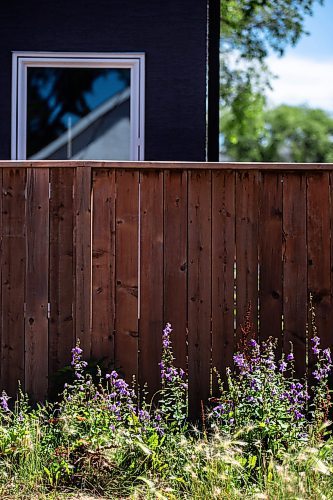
250 31
286 133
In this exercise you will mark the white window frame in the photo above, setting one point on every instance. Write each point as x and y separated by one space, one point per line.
23 60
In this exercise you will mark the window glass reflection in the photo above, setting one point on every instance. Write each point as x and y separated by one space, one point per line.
78 113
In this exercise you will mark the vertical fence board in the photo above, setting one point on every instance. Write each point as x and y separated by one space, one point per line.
151 277
13 278
127 234
270 257
1 275
319 256
223 258
103 266
199 288
82 232
61 327
36 321
175 260
295 267
247 199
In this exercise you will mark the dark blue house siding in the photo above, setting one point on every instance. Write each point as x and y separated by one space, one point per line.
171 33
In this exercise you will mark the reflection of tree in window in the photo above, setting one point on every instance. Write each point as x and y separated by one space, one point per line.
57 96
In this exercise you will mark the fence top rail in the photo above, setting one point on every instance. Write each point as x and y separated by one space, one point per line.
165 165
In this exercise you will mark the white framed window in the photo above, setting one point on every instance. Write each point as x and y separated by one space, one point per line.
77 106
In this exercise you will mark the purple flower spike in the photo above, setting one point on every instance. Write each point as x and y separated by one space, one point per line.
327 355
283 366
4 401
315 348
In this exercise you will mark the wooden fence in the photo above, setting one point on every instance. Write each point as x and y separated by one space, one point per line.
109 252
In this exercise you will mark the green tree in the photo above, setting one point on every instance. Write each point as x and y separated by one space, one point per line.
250 30
289 133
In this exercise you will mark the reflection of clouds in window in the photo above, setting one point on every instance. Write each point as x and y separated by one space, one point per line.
78 111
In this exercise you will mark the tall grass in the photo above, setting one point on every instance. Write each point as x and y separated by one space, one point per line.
263 437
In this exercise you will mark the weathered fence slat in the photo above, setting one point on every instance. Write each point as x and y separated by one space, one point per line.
223 260
270 258
151 278
127 234
295 267
103 266
13 278
82 234
199 288
61 273
175 261
36 320
319 256
247 198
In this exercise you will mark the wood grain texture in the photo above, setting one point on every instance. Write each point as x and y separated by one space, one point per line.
319 257
36 321
151 278
82 235
61 273
247 202
127 241
175 261
223 259
295 268
199 289
270 258
103 266
13 261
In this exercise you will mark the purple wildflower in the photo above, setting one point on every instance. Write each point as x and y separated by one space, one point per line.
298 414
239 360
143 415
315 348
166 336
327 355
290 357
76 355
122 387
283 366
4 401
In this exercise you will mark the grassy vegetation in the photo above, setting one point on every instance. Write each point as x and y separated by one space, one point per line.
262 438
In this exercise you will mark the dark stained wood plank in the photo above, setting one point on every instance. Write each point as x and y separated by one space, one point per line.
247 199
127 241
295 268
103 266
13 279
36 321
223 259
175 261
82 234
61 274
319 256
1 266
270 257
199 289
151 278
